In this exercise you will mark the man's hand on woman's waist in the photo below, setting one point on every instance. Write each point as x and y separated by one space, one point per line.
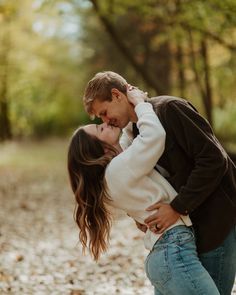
163 218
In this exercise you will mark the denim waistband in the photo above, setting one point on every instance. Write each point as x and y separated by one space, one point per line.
174 232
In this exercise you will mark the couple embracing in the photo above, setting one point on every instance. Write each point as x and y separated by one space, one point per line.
168 172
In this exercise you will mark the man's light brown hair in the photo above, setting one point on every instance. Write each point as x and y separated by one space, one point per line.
100 86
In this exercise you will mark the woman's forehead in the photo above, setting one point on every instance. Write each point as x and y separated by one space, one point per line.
91 128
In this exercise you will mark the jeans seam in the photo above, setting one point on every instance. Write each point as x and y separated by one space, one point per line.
186 271
146 264
162 282
222 254
167 266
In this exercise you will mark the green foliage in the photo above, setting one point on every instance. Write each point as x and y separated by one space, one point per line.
44 78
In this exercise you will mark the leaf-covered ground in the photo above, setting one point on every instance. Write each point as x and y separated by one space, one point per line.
39 249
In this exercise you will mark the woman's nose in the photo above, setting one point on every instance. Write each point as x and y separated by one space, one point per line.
104 125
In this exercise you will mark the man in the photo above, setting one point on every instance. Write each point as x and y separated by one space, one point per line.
194 163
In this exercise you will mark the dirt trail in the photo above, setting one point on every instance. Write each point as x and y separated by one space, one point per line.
39 253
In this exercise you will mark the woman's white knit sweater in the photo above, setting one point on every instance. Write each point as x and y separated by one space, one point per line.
132 181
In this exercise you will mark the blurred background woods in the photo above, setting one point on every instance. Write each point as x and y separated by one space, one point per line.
49 49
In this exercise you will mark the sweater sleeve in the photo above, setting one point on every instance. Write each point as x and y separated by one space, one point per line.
197 140
141 156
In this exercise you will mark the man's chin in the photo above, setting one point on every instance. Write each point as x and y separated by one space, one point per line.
118 125
121 125
124 125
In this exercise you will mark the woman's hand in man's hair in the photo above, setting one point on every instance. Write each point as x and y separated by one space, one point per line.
135 95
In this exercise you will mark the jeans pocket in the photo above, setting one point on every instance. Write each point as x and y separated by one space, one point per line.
157 268
185 236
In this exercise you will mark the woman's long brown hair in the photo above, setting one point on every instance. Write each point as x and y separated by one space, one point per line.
87 162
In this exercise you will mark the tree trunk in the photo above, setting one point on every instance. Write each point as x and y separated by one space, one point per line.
204 88
5 124
208 89
180 70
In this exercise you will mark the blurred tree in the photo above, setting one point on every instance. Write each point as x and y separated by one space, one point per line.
150 59
7 13
40 78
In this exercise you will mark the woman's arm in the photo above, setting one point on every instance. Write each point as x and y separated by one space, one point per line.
141 156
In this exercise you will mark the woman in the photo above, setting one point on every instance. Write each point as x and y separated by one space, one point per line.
103 176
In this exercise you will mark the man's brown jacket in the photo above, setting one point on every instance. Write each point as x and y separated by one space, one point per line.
199 169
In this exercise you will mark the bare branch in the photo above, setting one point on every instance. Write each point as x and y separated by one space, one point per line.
207 34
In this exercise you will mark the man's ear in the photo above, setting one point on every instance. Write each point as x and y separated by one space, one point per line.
115 93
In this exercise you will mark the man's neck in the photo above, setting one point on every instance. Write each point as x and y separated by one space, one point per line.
132 115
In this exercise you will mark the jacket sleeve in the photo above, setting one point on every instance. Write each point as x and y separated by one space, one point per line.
195 136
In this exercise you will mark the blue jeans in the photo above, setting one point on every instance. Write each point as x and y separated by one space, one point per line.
221 263
173 266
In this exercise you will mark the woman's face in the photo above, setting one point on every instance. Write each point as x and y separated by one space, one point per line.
104 132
